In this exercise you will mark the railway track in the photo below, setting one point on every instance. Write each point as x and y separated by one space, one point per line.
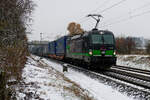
130 75
134 79
136 70
134 76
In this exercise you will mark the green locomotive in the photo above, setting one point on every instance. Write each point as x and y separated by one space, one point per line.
96 48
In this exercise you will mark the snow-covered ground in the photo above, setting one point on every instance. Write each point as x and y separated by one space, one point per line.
44 80
136 61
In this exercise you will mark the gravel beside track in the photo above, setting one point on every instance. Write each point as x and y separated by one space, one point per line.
131 76
134 85
141 71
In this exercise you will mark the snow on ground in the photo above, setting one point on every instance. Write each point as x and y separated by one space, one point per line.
136 61
44 80
97 89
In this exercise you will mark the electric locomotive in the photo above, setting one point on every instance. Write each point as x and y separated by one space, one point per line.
96 48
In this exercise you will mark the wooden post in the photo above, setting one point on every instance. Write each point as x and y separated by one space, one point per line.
65 68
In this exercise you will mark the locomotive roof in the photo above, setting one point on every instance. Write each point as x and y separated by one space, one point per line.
91 32
104 31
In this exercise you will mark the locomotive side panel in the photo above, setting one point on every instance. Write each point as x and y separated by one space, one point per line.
75 48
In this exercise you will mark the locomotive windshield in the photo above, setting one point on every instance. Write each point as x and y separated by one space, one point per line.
102 39
97 39
108 39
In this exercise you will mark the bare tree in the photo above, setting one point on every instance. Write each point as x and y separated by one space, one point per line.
125 45
74 28
148 48
14 15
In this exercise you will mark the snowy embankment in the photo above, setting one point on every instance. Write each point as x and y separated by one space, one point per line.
44 80
136 61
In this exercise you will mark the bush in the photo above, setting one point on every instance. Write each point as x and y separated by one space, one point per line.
13 42
148 48
125 45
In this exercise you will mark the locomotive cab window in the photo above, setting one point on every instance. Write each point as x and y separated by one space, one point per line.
97 39
102 39
108 39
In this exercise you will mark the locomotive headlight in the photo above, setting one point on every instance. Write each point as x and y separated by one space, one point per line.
114 52
90 52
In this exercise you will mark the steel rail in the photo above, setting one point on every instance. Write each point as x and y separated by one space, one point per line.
138 80
135 79
146 72
131 78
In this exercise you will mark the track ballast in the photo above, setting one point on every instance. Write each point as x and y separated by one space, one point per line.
132 79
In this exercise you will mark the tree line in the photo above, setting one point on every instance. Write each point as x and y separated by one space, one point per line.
148 48
128 45
14 15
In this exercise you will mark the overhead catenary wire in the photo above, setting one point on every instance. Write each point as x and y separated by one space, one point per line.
84 19
114 5
128 13
100 6
118 21
125 19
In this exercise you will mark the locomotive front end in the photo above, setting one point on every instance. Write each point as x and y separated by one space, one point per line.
102 48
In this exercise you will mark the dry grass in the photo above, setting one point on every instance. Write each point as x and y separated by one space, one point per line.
13 59
77 90
13 40
73 88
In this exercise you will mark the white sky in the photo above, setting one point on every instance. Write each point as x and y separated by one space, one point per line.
51 17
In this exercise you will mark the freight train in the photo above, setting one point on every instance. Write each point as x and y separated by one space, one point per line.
95 48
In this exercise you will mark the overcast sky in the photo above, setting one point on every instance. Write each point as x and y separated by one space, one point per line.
129 17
